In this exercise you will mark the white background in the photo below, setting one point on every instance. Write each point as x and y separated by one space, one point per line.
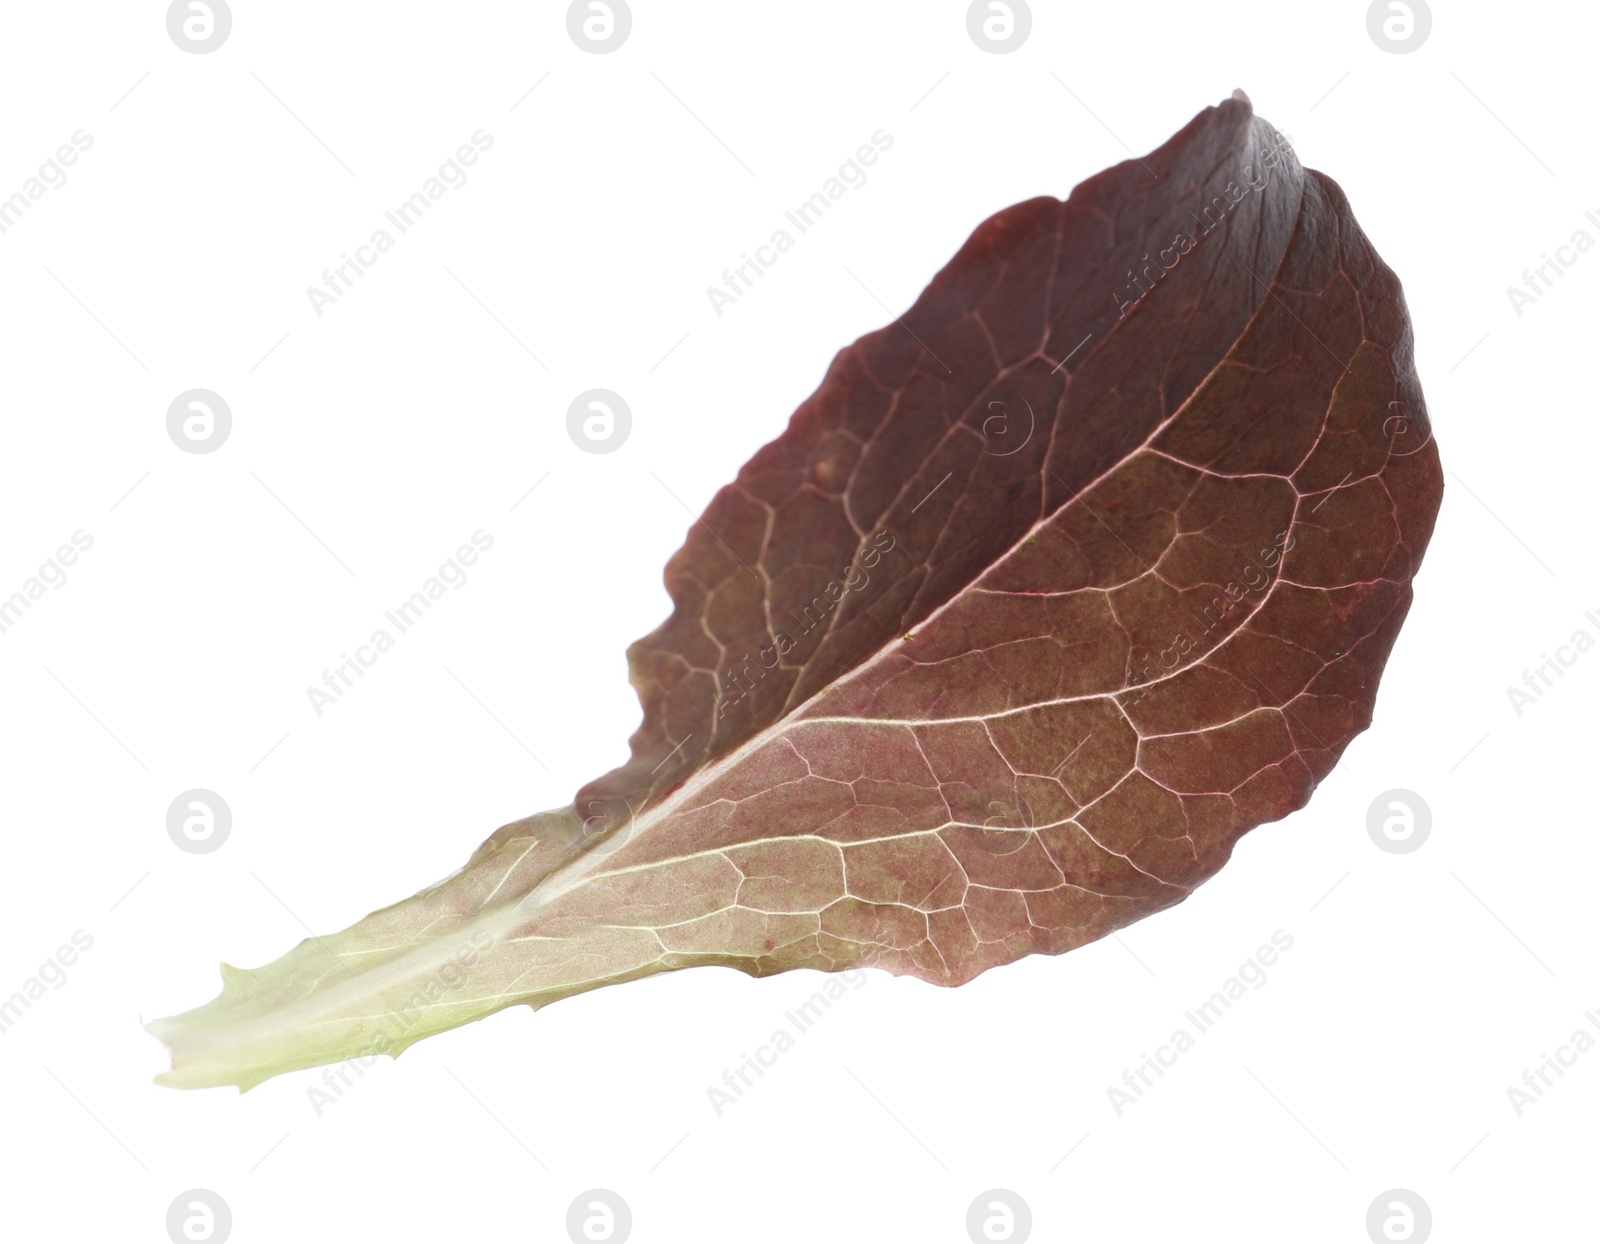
178 654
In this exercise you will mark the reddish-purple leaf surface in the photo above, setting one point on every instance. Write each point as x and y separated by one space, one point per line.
1058 585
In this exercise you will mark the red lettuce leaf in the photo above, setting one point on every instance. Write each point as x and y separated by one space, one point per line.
1058 585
